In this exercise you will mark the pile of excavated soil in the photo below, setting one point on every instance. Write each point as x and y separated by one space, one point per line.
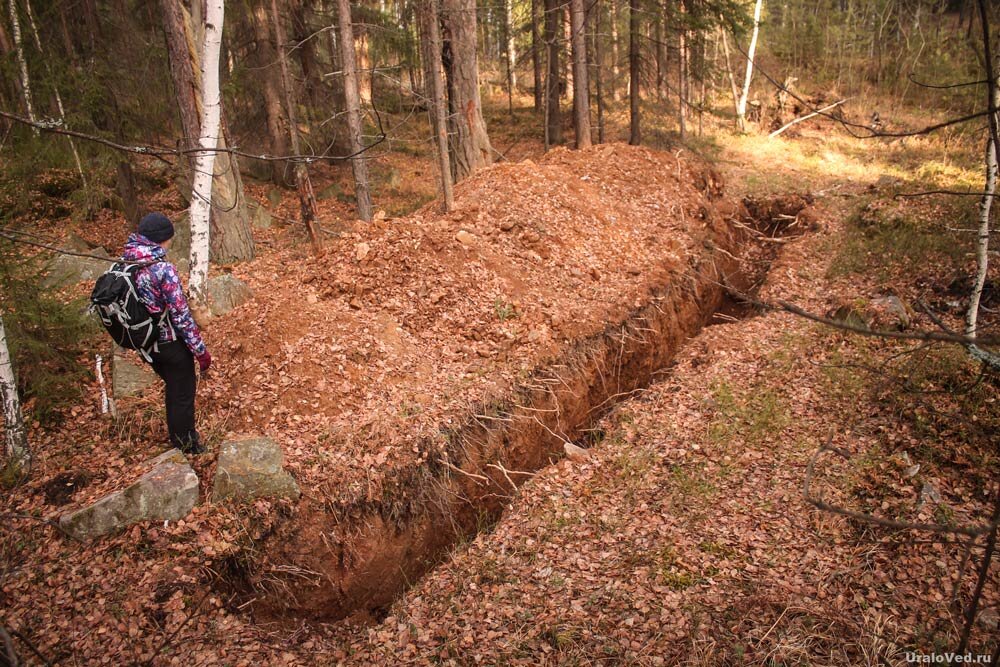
353 358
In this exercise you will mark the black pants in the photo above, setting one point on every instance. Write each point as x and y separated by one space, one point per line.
175 364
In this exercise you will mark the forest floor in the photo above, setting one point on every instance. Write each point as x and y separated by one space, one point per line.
683 537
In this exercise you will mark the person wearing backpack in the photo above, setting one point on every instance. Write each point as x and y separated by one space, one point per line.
179 342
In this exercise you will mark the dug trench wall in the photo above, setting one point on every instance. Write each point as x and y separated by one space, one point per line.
339 555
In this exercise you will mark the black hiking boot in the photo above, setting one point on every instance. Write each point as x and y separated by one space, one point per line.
191 445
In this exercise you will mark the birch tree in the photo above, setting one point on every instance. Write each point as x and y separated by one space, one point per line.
231 240
581 86
741 105
16 437
22 64
201 197
55 90
348 59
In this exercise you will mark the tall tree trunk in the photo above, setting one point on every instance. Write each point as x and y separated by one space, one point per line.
595 61
553 118
22 64
15 435
307 200
270 84
616 89
741 105
581 92
536 61
509 54
682 73
729 71
359 164
635 137
430 41
472 148
55 90
211 115
231 240
339 102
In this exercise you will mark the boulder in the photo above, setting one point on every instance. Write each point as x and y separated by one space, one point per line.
180 250
891 312
69 269
168 492
130 375
261 217
252 468
226 292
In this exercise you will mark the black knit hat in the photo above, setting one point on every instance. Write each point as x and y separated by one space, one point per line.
156 227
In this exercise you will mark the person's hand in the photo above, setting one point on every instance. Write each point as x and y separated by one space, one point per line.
204 361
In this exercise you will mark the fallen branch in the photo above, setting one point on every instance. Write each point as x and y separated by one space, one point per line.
806 117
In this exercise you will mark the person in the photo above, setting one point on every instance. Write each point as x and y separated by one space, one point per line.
180 342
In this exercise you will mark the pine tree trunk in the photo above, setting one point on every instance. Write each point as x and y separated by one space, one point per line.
553 118
595 61
682 78
472 148
211 113
307 200
359 164
741 105
581 92
536 60
616 89
269 79
22 64
231 240
635 137
15 435
430 41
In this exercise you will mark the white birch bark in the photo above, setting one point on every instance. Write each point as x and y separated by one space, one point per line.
741 106
982 239
22 64
16 437
201 197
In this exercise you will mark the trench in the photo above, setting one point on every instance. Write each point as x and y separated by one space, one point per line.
327 563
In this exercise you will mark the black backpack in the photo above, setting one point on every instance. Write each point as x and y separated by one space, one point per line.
115 299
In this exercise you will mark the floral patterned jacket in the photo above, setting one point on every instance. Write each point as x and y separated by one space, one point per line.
160 288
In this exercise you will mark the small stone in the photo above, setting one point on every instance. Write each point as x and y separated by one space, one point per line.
361 251
507 224
252 468
436 296
574 453
168 492
465 238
